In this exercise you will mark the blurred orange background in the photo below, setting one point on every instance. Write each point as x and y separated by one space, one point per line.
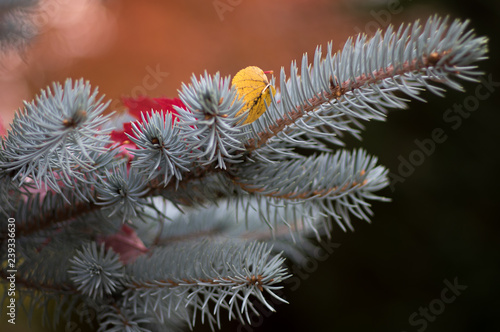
131 48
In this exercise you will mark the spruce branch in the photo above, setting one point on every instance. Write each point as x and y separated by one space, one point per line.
38 214
26 284
96 271
161 151
39 283
113 318
211 204
288 235
359 83
209 123
224 273
339 183
122 190
57 137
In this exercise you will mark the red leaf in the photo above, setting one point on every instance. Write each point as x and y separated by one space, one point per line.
145 104
126 243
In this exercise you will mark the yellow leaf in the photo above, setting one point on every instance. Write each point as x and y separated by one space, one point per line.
252 85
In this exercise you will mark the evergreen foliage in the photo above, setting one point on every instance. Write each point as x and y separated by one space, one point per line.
199 221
